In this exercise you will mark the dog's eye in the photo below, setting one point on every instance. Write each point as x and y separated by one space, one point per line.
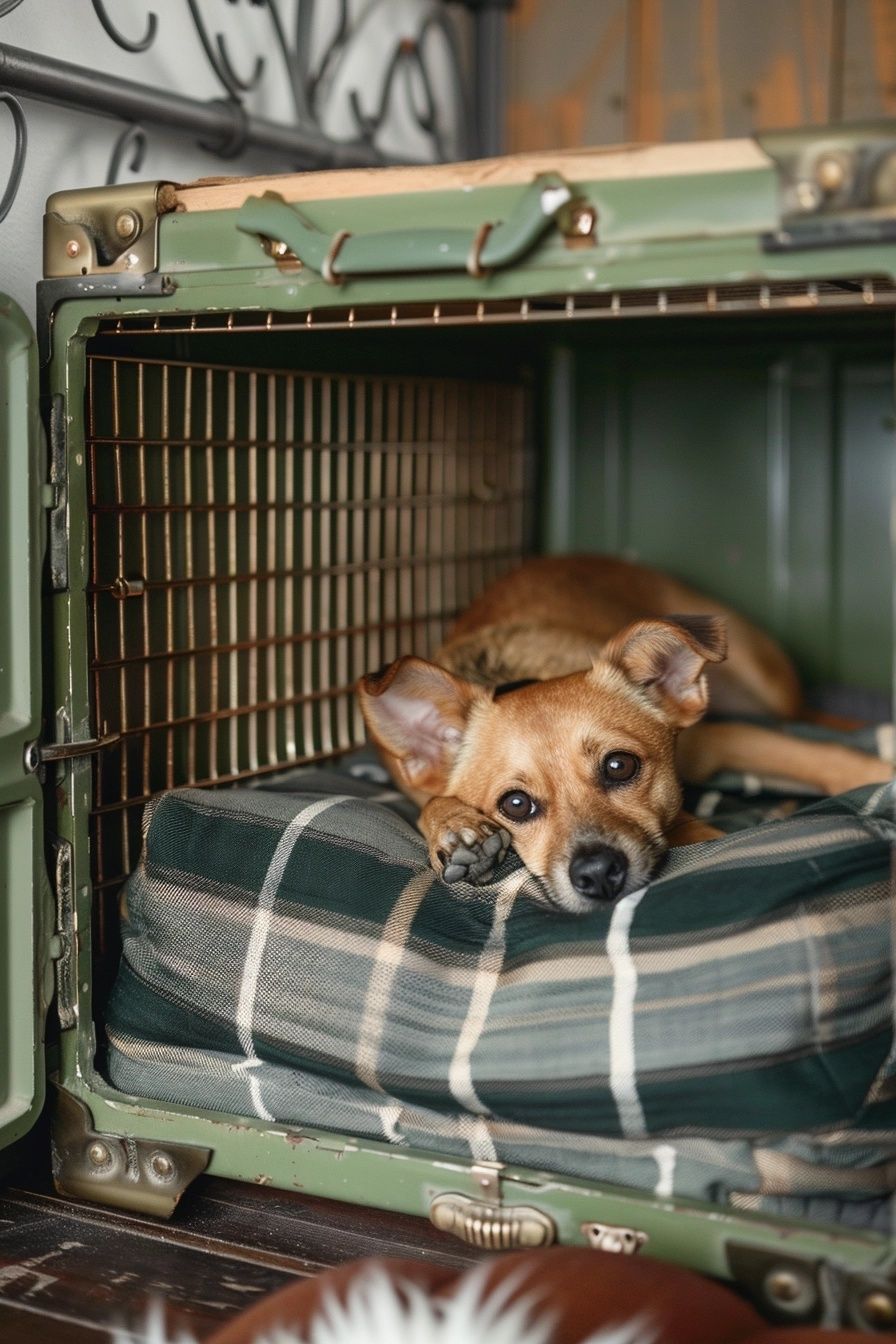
619 767
518 806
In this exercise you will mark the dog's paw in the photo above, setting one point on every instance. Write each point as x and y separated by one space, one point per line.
469 849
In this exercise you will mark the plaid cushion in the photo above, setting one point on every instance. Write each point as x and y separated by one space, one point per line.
727 1033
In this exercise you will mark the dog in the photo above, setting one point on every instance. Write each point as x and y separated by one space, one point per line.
563 711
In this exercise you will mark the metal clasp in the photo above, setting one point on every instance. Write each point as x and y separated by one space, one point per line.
614 1238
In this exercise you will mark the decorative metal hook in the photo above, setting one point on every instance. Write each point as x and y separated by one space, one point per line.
143 44
292 61
339 40
242 85
455 65
18 156
406 57
132 137
368 123
220 60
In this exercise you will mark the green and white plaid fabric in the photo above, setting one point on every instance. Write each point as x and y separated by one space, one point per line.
726 1033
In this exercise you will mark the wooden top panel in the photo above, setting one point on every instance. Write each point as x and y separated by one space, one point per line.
577 165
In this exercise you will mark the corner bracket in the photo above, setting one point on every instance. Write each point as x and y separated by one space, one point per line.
105 230
128 1173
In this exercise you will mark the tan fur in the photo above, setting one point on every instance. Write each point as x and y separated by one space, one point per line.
617 673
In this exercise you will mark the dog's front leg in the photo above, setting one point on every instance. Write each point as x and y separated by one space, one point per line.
464 845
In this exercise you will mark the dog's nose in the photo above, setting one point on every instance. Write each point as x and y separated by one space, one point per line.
598 872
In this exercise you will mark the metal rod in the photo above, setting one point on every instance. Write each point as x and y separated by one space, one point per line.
220 125
489 80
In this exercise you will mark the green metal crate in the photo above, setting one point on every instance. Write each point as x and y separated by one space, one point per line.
291 438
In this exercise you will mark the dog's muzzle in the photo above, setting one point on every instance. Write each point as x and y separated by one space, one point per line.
598 872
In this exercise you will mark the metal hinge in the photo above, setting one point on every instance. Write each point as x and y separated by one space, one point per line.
804 1290
63 950
105 230
57 491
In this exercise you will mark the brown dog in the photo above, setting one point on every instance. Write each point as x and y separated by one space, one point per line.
553 716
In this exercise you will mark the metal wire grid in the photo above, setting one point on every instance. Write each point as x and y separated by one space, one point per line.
784 296
259 539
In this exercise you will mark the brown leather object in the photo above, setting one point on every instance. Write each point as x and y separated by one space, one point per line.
583 1291
796 1334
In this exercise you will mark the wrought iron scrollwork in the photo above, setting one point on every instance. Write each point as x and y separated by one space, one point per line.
132 138
318 91
218 58
20 150
408 59
126 43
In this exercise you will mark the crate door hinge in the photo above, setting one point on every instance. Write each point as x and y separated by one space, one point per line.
55 495
62 948
105 230
803 1290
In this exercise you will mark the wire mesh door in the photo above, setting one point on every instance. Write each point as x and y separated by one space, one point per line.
259 539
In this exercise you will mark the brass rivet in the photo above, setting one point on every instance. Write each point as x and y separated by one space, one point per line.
584 218
785 1287
830 173
127 225
98 1154
73 247
879 1309
161 1165
808 195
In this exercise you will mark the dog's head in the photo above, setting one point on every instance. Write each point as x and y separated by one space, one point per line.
580 769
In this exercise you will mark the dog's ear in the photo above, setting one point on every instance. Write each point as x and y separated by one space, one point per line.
417 712
665 659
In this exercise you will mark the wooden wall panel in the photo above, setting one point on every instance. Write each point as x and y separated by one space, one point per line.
591 72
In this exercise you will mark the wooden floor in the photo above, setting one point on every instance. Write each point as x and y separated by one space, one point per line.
70 1272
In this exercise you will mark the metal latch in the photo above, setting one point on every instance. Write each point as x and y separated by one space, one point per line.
614 1238
486 1222
43 753
105 230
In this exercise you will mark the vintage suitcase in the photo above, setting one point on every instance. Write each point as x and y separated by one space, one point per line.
289 427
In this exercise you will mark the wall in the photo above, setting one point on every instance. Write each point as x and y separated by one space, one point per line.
71 149
607 71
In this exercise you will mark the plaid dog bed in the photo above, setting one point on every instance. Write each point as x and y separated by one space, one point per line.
725 1034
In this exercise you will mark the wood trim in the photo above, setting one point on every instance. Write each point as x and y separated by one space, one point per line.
577 165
